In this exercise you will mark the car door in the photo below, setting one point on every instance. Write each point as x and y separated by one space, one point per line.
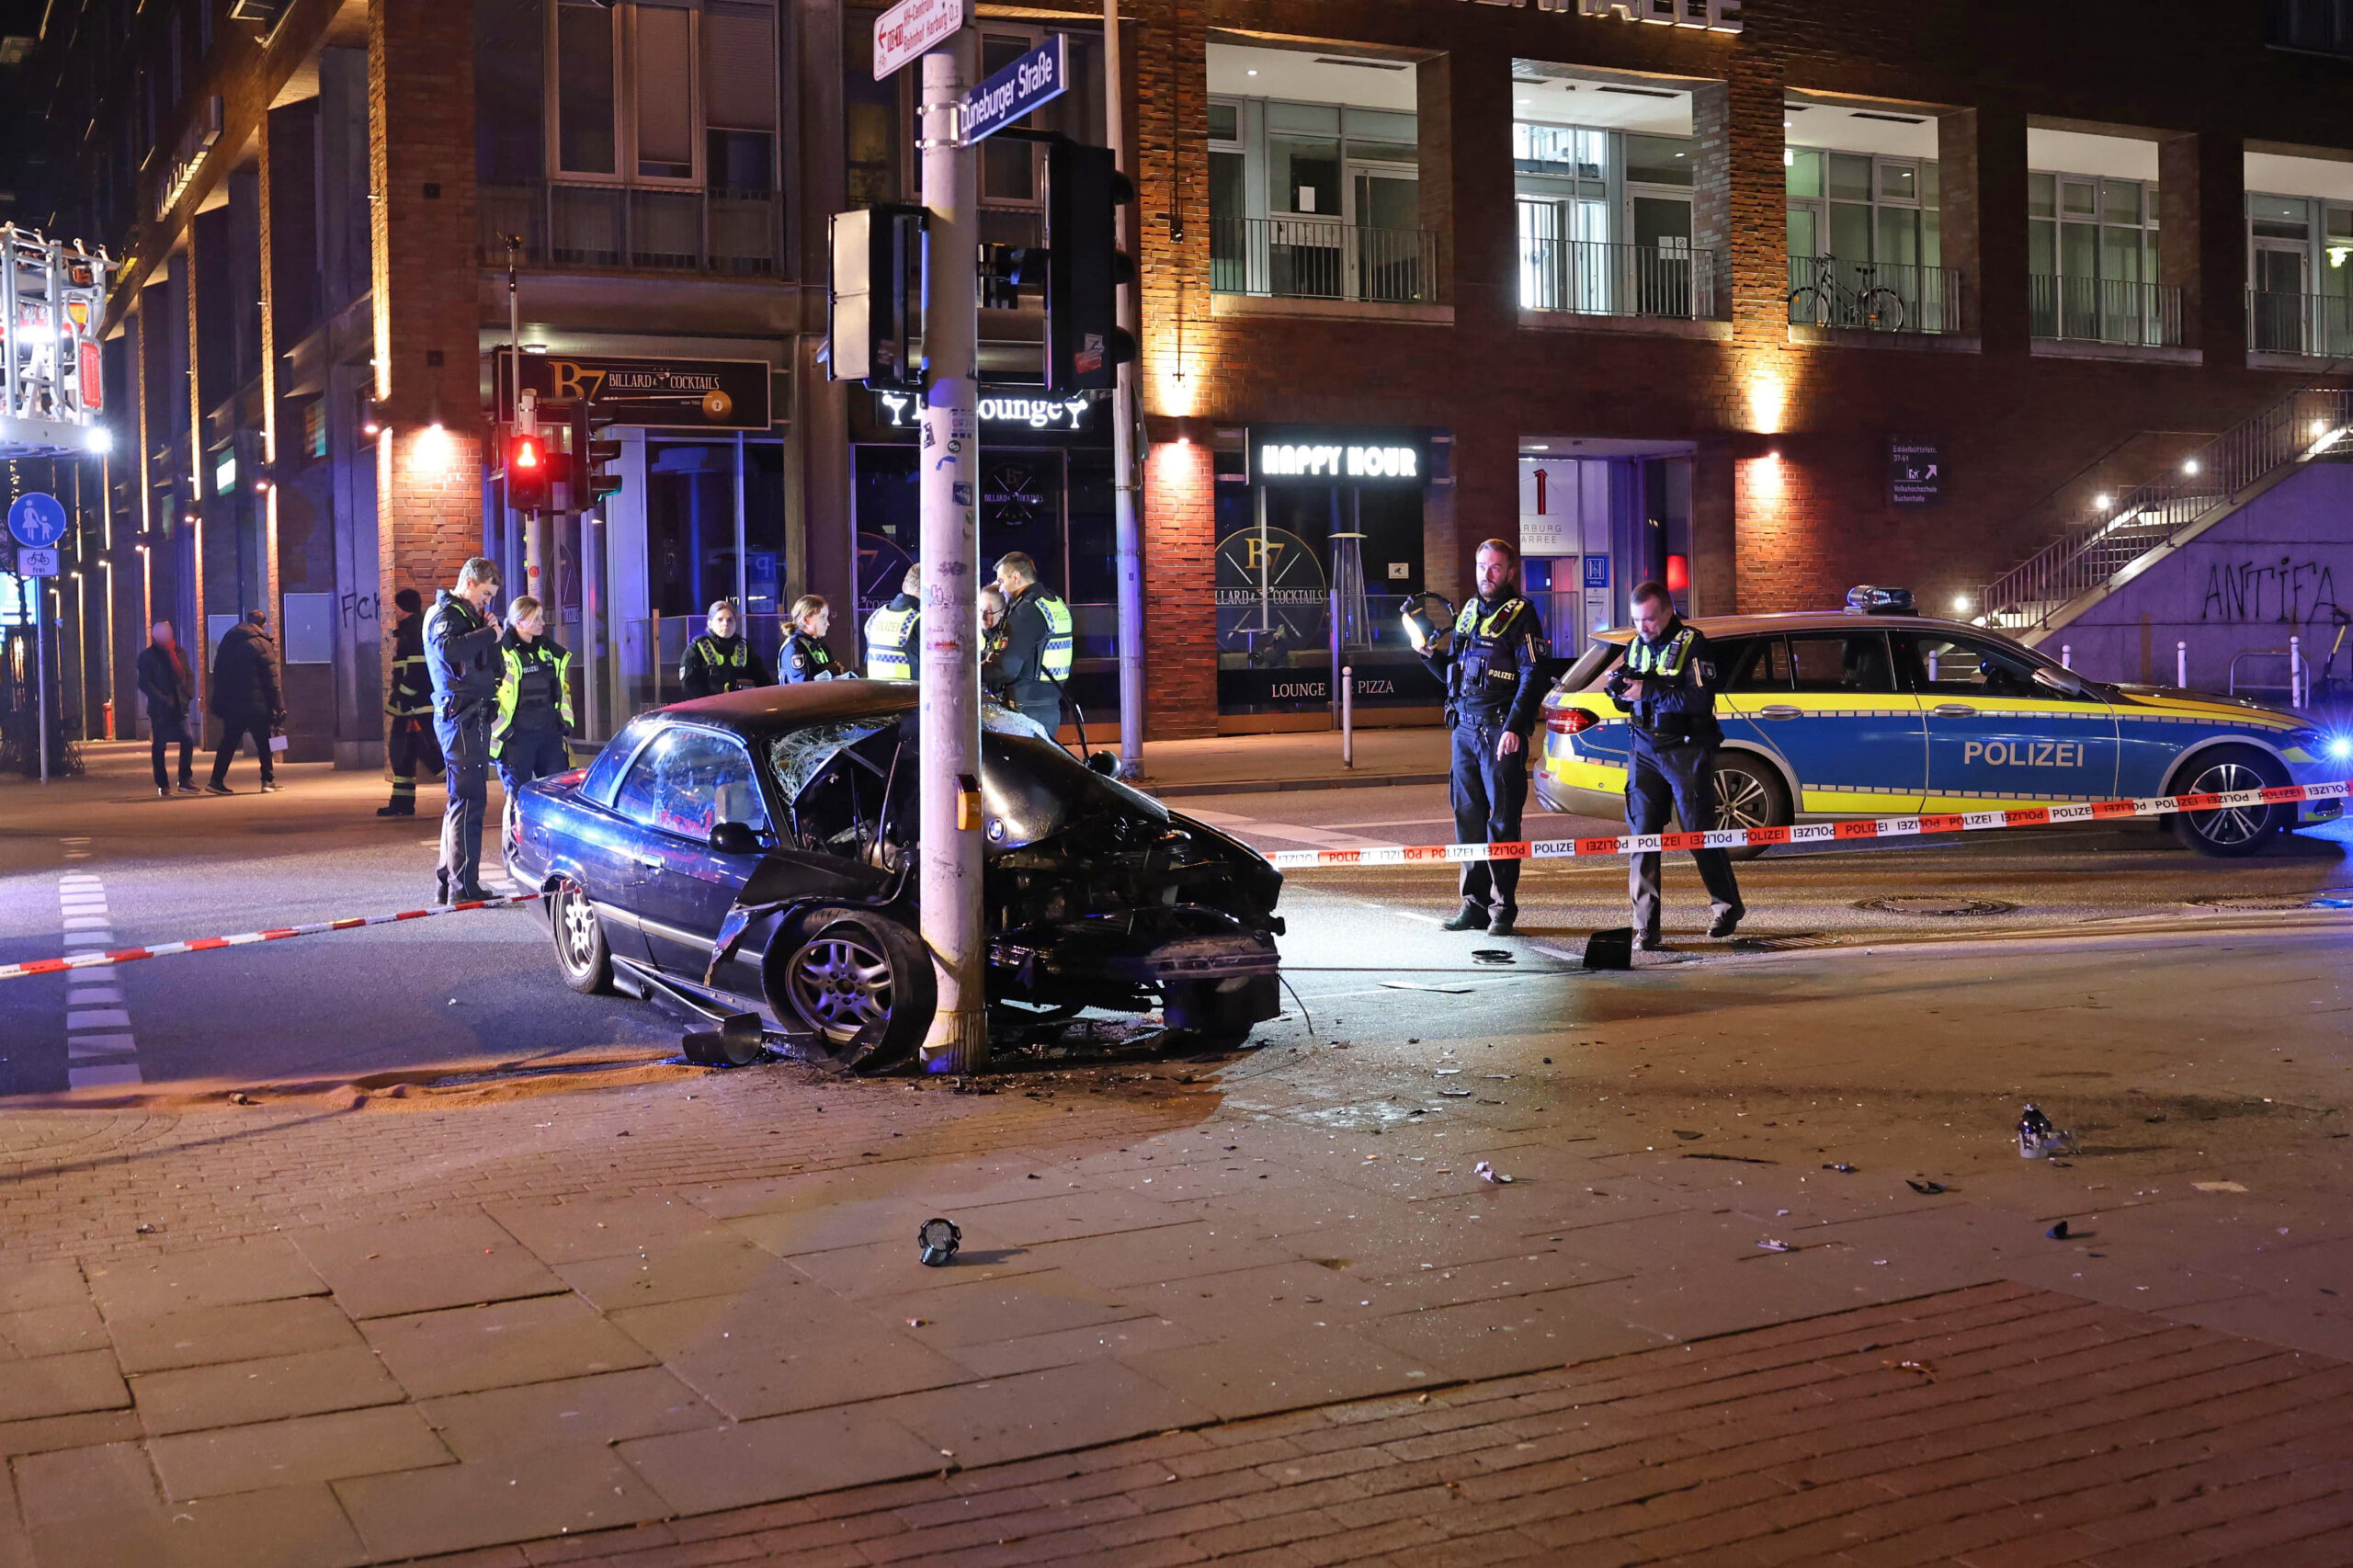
1998 737
1853 741
604 845
697 779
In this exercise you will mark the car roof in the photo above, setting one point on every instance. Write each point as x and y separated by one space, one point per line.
763 710
1720 626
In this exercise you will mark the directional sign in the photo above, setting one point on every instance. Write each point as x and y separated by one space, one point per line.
37 519
1039 76
31 562
1915 472
911 27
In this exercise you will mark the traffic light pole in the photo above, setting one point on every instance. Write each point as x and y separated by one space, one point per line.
950 850
1127 531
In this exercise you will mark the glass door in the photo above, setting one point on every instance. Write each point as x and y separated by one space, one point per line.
1386 215
2281 273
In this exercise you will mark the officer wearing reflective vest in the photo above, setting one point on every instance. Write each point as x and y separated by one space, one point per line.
408 709
534 699
720 659
805 656
893 631
1494 677
1032 665
1666 688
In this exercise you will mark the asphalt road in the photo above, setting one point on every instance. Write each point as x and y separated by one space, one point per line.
477 991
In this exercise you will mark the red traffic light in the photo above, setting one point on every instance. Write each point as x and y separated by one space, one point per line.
526 453
526 473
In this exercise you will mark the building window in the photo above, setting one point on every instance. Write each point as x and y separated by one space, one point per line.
2299 274
740 100
2310 27
585 70
872 119
2092 261
1605 221
1867 242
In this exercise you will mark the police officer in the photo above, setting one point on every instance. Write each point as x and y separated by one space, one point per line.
408 709
1666 688
720 660
894 633
1032 665
1492 676
526 738
462 652
806 657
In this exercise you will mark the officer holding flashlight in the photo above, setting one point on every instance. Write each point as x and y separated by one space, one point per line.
1665 687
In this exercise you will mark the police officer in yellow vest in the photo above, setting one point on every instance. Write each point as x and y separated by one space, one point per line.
893 632
1032 664
1666 688
534 699
720 660
408 708
1493 676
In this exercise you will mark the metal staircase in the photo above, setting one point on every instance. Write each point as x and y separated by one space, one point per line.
2106 550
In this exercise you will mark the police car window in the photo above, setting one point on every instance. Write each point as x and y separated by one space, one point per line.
1759 666
688 781
1958 666
1841 661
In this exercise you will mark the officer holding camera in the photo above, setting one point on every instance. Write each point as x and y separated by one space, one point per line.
1666 688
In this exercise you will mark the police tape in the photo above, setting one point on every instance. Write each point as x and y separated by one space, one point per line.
1809 832
246 939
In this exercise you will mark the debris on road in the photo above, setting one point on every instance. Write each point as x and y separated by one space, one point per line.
1493 955
2058 1232
1418 985
1769 1244
938 1239
1841 1166
2218 1187
2038 1139
1486 1171
1925 1184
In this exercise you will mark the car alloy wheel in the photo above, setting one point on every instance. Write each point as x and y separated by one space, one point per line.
1748 795
841 985
580 948
2229 831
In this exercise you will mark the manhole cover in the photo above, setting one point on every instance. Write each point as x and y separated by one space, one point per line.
1928 903
2334 898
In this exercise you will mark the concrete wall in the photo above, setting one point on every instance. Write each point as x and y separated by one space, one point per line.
2281 567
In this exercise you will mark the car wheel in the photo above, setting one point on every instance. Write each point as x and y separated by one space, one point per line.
2233 831
1749 794
862 985
581 950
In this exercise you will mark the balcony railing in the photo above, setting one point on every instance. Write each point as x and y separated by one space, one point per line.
587 225
2103 310
1594 278
1873 296
2320 325
1321 258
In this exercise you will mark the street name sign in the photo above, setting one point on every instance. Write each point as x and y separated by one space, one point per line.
911 27
1040 76
37 519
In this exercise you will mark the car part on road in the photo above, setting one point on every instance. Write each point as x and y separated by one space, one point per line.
1926 1186
939 1240
1934 904
1613 949
1493 955
2057 1233
2038 1139
737 1043
2231 831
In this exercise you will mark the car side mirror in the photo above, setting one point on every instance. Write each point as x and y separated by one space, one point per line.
735 838
2066 681
1105 763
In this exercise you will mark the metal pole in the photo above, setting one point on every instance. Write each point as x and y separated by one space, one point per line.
1348 716
2295 672
2182 665
40 668
950 716
1127 529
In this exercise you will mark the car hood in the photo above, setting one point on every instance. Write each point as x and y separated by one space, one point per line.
2179 703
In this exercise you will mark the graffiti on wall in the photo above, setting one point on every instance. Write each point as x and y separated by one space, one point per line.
2291 591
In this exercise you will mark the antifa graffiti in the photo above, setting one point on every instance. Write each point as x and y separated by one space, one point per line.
2293 591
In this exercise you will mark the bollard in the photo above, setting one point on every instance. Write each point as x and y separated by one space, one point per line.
2182 665
2066 655
1347 716
2295 672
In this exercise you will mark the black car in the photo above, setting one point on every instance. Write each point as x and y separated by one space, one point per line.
754 853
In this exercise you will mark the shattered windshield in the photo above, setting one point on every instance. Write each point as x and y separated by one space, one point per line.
802 755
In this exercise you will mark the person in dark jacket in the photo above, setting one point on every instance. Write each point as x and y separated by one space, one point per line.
409 745
165 683
1493 671
526 738
721 659
462 652
247 699
1031 662
1666 690
805 655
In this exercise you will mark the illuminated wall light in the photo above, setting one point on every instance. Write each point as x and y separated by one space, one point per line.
434 447
2191 468
1960 604
1768 398
2103 501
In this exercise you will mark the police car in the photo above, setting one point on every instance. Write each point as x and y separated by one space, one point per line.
1880 712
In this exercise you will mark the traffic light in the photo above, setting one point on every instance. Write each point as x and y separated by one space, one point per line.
604 468
1085 343
1007 271
874 309
527 471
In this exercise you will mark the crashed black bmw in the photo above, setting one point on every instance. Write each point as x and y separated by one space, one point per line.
756 853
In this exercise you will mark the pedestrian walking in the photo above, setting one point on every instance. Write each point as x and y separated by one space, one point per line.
1493 673
896 632
462 654
805 655
526 738
1666 688
1033 663
246 699
409 743
721 659
164 681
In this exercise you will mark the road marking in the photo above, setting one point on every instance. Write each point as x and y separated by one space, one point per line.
100 1049
1295 832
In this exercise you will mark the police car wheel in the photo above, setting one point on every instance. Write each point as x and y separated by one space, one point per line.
581 950
1748 795
862 985
2234 831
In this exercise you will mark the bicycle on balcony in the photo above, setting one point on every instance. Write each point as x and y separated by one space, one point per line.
1823 300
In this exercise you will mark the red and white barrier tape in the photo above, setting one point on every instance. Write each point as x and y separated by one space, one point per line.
1808 833
246 938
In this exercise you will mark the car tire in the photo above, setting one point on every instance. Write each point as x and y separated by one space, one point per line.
2228 834
582 954
1749 794
860 984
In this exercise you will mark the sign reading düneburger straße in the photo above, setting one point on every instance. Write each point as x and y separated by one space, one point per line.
699 394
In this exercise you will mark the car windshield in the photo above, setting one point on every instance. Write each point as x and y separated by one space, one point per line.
1592 664
801 755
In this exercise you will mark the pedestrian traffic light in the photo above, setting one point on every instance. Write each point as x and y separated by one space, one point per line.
874 309
526 473
604 468
1085 267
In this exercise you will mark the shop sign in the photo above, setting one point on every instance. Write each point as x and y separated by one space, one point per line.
187 156
701 394
903 411
1915 472
1711 16
1283 455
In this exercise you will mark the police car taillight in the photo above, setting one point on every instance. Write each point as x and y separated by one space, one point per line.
1570 721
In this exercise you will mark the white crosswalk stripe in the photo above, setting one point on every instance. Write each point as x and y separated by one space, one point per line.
100 1049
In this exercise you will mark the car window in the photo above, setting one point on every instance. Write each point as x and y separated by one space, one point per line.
605 773
1970 667
688 781
1598 659
1753 665
1841 661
